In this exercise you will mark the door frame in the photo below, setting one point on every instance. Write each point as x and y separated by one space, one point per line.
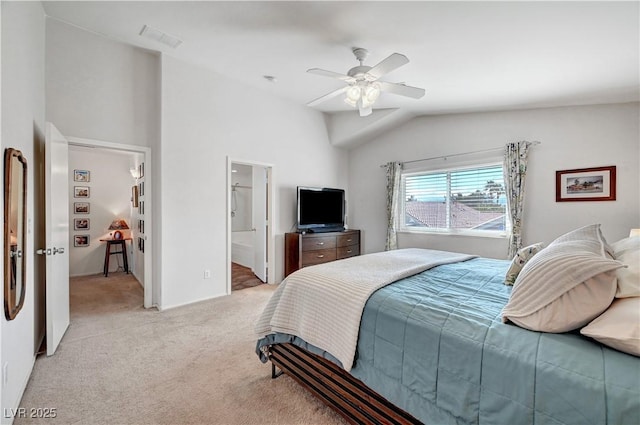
148 201
270 216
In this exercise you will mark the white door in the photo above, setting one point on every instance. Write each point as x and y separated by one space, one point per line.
259 207
57 236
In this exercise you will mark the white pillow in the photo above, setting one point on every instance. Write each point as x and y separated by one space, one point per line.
627 251
590 233
618 327
519 260
565 285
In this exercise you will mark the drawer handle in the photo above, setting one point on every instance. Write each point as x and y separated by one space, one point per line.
320 243
321 256
349 251
349 240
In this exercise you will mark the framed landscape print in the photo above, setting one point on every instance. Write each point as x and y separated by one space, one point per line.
81 208
134 196
81 240
81 175
81 191
586 184
80 224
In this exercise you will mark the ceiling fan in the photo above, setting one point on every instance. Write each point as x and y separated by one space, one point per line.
363 85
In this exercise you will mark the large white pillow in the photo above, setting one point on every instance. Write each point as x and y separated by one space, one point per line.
627 251
565 285
618 327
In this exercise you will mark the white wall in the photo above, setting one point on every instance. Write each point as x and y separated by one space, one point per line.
98 88
571 137
110 198
205 118
22 128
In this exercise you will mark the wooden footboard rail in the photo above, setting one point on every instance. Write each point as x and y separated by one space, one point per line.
337 388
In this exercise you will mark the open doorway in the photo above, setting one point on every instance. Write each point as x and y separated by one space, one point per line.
249 230
69 220
106 263
119 206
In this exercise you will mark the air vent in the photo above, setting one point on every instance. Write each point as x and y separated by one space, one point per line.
160 36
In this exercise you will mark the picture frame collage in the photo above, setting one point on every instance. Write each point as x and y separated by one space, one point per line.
138 201
81 207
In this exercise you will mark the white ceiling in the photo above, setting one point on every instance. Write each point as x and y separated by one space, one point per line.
469 56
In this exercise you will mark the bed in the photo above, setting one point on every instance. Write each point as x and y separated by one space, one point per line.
432 347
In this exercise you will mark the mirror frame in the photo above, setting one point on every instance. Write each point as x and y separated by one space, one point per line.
12 306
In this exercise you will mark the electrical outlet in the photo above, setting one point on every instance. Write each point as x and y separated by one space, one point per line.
207 274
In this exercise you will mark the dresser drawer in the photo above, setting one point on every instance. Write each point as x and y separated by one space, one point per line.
318 256
348 251
349 239
320 242
308 249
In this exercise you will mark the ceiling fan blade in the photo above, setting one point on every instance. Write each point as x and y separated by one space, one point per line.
402 90
394 61
365 110
328 96
331 74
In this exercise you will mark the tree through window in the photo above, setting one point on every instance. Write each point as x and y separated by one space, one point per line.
455 199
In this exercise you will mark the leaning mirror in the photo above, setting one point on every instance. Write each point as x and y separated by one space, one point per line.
15 213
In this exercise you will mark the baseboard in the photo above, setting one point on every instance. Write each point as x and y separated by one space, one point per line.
171 307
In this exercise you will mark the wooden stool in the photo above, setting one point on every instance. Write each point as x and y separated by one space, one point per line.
107 253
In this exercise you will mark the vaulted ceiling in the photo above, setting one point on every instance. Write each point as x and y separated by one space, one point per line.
469 56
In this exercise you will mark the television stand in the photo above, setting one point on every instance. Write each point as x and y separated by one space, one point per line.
301 250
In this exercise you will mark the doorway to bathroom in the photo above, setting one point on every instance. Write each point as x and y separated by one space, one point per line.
250 235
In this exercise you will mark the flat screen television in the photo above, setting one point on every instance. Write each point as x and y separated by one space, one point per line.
320 209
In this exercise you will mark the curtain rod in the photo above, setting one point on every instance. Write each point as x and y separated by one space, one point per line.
455 154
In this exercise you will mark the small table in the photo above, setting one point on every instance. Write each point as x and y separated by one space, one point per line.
123 250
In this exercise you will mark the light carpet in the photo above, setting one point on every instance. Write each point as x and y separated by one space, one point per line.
121 364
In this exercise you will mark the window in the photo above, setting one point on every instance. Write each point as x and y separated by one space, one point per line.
461 200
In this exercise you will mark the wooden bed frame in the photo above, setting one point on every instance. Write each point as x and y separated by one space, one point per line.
338 389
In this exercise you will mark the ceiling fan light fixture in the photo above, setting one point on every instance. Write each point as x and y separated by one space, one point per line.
354 93
350 102
370 94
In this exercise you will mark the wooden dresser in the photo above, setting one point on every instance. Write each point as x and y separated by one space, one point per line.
301 250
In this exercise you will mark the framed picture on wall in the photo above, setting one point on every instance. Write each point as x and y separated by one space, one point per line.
134 196
141 170
81 175
81 191
80 224
81 207
141 188
586 184
81 240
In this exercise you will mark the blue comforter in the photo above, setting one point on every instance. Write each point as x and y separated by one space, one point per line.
434 345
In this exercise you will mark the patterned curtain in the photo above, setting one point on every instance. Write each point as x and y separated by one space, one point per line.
393 192
515 170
